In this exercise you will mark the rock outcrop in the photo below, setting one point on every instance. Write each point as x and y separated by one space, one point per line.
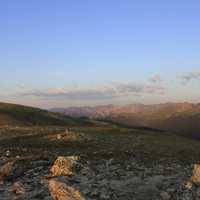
63 166
61 191
86 178
196 174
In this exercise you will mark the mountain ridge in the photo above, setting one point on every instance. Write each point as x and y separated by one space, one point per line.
182 118
104 110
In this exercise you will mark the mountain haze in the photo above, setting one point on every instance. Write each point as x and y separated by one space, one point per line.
183 118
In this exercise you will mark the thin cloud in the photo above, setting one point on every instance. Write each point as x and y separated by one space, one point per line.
96 93
189 77
156 79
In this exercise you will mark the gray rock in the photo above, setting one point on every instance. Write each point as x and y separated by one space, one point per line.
156 181
165 196
147 192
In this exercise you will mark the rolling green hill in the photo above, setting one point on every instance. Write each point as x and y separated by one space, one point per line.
12 114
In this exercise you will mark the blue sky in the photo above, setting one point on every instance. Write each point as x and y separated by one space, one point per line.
50 49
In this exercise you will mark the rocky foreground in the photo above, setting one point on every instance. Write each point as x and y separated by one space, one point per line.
101 162
78 178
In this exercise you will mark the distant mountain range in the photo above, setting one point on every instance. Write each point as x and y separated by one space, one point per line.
110 110
183 118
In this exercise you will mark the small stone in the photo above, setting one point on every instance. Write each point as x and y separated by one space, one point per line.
188 185
198 192
8 153
165 195
59 136
18 188
86 191
85 171
146 192
109 162
6 170
104 196
95 192
67 131
156 181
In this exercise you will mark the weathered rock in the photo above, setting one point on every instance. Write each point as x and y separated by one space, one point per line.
198 193
18 188
59 136
146 192
14 168
6 170
85 171
188 185
100 179
165 196
63 166
196 174
156 181
61 191
187 196
104 195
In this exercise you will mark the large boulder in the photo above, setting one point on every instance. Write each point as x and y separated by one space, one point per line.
63 166
61 191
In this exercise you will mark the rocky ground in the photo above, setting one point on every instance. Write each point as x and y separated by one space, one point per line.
112 167
39 178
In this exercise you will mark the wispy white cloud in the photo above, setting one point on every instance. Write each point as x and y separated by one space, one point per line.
156 79
185 78
97 93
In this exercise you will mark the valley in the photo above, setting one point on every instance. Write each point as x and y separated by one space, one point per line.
180 118
112 161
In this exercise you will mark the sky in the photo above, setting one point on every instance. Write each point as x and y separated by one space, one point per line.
61 53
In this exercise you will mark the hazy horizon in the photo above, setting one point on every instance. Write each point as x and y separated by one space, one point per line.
87 53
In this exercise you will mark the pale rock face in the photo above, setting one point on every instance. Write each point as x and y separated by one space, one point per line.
63 166
196 174
60 191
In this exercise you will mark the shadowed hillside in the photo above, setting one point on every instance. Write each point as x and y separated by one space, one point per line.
184 123
182 118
